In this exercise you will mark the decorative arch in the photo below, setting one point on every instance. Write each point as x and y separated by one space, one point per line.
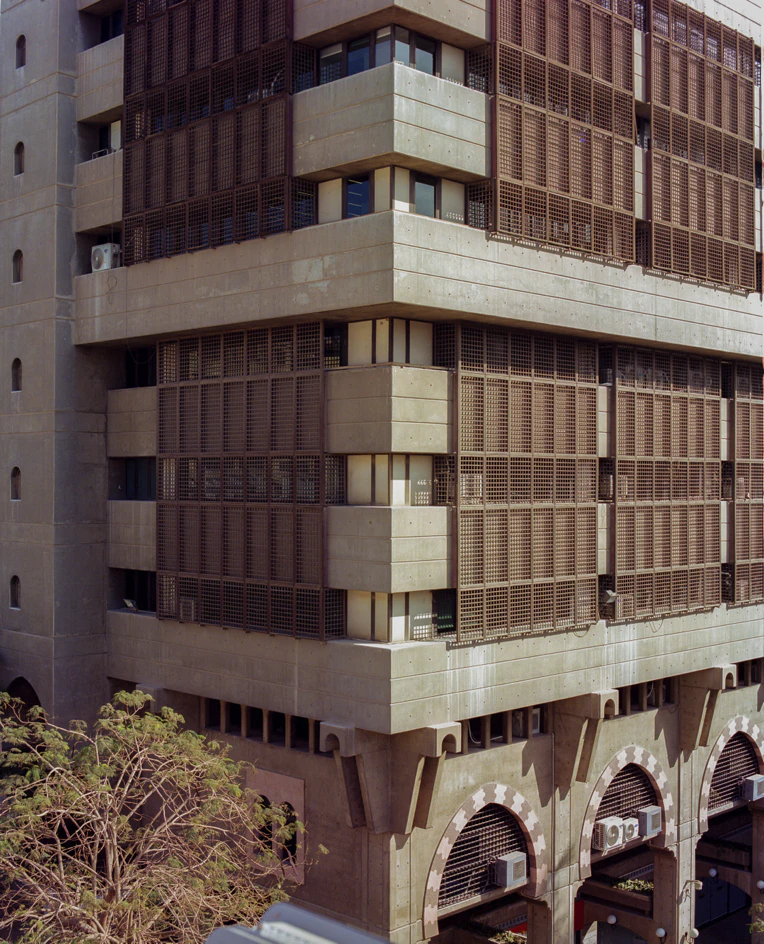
538 868
650 764
22 689
739 725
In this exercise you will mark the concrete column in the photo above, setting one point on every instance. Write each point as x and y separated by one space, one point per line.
540 923
665 895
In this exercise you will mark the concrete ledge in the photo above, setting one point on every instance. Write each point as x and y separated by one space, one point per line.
391 115
100 91
98 193
387 409
388 549
132 535
131 422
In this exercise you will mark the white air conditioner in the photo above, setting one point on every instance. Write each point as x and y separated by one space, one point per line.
753 787
608 833
187 610
630 829
105 256
650 821
510 871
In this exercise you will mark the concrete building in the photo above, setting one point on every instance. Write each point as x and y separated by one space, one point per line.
421 425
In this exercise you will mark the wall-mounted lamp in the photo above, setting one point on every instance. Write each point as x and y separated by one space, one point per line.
760 884
661 933
713 873
611 919
694 933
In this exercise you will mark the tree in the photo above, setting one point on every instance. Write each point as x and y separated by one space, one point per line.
133 832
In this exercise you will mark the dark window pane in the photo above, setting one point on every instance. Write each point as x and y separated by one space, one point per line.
424 198
330 64
358 196
402 42
424 55
359 55
382 53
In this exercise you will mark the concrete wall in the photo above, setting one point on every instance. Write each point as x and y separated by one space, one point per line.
100 81
132 535
131 428
98 194
388 549
386 409
391 115
408 265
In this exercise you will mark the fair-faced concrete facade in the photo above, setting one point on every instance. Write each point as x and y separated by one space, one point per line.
391 769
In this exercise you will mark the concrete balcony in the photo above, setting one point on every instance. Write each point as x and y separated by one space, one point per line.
391 115
388 549
131 423
461 22
132 535
389 409
99 82
98 193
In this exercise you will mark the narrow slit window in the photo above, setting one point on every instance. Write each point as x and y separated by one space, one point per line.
16 375
21 52
16 484
15 593
18 159
18 266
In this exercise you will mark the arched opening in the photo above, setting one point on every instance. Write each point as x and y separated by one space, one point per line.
16 375
18 159
609 709
264 833
737 761
288 850
16 484
18 266
21 689
469 874
15 593
21 51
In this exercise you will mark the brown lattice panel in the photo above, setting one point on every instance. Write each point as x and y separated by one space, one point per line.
492 832
242 480
526 482
630 791
207 122
667 487
702 175
563 110
749 487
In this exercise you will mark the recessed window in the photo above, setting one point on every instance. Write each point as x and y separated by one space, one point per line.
21 52
359 55
358 190
18 159
141 479
424 196
288 852
112 25
15 593
16 484
18 266
378 49
16 375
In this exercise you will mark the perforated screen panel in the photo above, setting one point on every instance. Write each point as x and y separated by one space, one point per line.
492 832
667 487
526 482
737 761
242 480
630 790
702 175
207 125
749 484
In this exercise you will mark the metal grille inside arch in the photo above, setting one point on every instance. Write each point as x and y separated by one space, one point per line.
630 790
492 832
738 760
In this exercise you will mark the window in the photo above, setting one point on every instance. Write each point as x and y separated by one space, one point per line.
141 367
212 714
15 593
18 159
21 52
112 25
378 49
16 484
16 375
358 196
18 266
288 851
424 195
141 479
141 588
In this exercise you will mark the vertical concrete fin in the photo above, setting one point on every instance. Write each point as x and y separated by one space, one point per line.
347 768
431 774
406 774
588 748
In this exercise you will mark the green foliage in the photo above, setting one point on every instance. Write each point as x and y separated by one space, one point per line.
135 832
635 885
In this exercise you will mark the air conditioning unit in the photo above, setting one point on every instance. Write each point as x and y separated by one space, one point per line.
753 787
650 821
608 833
187 610
105 256
630 829
510 871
